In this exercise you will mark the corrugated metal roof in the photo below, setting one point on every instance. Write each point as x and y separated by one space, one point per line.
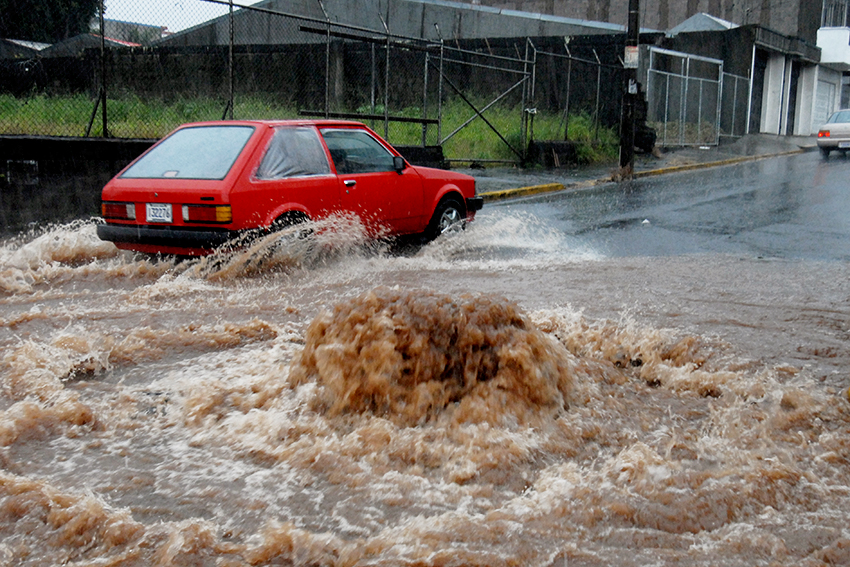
700 23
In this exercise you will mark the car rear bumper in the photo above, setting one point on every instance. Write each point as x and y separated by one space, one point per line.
202 238
834 143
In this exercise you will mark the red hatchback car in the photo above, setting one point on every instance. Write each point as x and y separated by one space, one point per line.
209 182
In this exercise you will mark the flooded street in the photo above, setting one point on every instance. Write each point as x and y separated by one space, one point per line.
514 394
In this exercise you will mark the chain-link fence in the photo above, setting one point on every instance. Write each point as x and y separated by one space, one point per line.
736 96
574 83
687 94
480 100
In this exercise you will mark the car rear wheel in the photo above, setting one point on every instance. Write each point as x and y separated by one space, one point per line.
825 152
287 220
448 216
291 223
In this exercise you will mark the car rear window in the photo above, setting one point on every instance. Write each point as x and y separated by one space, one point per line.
197 152
294 152
840 117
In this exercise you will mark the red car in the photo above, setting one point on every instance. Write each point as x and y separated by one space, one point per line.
209 182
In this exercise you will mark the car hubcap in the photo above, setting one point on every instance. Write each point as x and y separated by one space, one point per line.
449 219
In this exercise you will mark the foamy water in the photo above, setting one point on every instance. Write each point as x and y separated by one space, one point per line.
502 396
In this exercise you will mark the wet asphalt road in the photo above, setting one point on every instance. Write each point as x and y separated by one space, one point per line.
791 207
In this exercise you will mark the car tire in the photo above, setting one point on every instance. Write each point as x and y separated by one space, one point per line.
449 215
825 152
289 220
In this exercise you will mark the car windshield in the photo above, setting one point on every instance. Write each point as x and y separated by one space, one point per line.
839 117
197 152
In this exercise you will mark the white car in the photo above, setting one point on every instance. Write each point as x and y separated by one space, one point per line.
835 134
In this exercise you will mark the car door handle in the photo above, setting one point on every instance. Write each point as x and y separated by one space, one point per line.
350 183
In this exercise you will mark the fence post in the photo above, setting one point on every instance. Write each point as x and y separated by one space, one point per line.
523 107
327 62
230 67
386 76
718 117
598 94
440 92
425 101
105 132
373 85
683 107
532 96
387 91
567 102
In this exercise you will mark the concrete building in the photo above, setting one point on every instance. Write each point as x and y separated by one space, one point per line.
771 44
787 83
20 49
834 42
799 89
795 18
422 19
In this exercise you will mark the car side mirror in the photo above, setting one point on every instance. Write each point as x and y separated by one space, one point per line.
398 164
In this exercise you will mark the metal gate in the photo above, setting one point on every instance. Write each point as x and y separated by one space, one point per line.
684 93
480 82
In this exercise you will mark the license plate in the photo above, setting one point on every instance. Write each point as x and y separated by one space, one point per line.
844 144
159 212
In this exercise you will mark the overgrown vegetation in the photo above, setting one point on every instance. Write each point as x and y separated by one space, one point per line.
133 117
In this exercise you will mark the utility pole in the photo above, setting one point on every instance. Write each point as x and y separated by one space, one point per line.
630 93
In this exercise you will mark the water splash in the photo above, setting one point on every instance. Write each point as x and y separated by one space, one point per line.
411 355
64 252
306 245
502 239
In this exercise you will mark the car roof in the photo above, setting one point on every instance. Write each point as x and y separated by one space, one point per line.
320 123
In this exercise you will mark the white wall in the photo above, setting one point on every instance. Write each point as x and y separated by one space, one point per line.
835 47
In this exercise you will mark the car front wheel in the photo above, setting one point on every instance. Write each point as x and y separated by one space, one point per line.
448 215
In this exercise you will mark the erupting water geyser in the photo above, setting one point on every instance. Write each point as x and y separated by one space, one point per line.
415 356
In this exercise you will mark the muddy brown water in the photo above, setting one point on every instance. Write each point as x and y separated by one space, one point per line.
500 397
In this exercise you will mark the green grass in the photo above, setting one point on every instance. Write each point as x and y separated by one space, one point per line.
479 141
134 117
45 116
595 145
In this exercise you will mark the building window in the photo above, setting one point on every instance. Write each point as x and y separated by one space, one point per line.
835 14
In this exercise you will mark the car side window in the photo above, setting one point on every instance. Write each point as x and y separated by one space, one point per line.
294 152
355 151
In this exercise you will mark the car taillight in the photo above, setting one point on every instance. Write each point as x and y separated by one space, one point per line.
119 211
823 134
207 213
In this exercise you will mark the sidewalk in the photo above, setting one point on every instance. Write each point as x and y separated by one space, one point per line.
495 184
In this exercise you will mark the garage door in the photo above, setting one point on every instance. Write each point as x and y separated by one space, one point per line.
824 103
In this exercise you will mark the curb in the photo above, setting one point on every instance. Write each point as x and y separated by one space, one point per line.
730 161
503 194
